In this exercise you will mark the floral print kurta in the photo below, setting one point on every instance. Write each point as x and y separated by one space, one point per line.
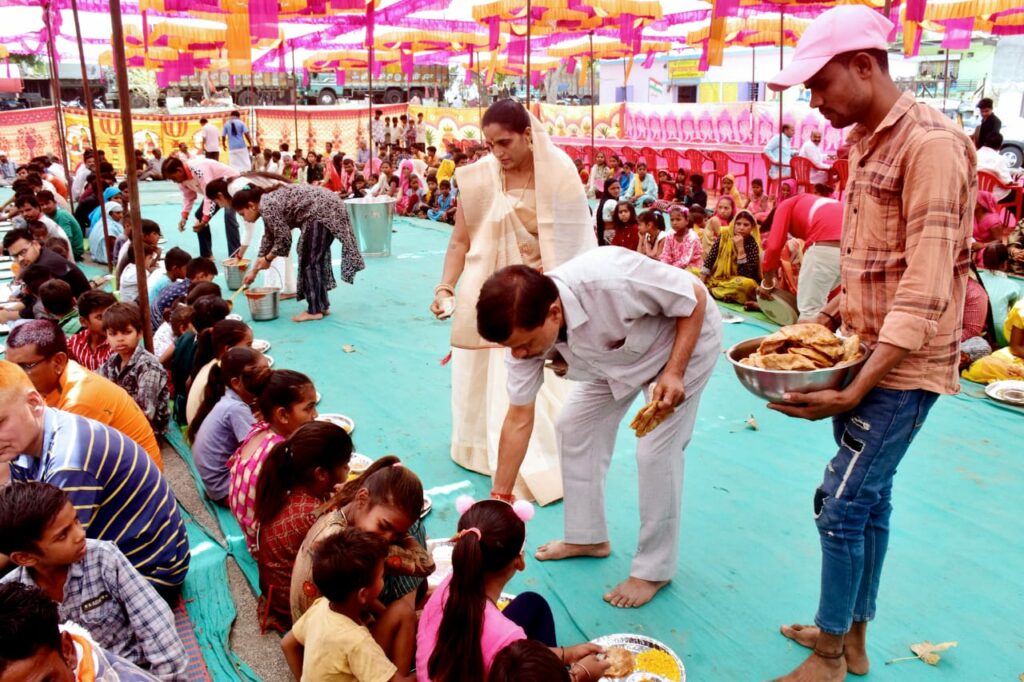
299 206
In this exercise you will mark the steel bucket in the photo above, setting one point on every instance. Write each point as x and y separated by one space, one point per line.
263 303
371 219
234 271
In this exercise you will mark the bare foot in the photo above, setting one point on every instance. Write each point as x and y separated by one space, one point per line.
286 297
633 592
560 549
306 317
857 662
817 669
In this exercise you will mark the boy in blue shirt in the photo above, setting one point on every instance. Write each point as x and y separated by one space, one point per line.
91 581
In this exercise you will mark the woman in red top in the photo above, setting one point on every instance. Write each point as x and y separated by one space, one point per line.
818 221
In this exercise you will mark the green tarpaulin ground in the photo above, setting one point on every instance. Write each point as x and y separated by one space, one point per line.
749 557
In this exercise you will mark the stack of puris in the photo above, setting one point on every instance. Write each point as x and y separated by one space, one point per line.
803 347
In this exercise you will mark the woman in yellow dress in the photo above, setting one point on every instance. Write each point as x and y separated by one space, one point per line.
521 204
732 267
1005 363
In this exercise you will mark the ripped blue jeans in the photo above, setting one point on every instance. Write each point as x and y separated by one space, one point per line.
853 503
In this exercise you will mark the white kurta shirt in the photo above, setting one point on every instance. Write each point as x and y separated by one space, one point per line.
813 153
620 309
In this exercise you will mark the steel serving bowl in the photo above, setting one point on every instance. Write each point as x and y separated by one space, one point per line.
772 384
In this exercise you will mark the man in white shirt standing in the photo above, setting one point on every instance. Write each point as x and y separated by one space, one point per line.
620 324
211 139
780 151
991 161
421 133
82 174
811 150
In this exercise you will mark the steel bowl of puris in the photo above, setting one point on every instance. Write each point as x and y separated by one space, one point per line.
798 358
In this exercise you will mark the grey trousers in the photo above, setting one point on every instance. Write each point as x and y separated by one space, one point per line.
586 430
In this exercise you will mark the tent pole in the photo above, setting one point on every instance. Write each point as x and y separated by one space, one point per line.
51 48
593 122
945 81
87 96
369 113
529 38
753 79
135 211
295 99
782 41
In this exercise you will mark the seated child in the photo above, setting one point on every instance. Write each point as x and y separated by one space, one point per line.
197 270
461 631
286 400
179 322
223 420
150 236
211 345
443 203
173 270
31 307
666 186
683 248
330 641
430 198
652 233
393 187
527 660
58 246
89 347
134 368
627 232
128 277
59 303
34 645
358 186
91 581
295 480
206 311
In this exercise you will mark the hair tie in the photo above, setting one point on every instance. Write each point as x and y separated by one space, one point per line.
462 533
397 465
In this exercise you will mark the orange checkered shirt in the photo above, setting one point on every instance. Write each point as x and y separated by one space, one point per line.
907 225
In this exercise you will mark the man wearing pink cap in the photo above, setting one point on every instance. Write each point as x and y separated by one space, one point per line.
905 252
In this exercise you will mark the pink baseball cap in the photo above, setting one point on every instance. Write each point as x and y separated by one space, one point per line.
846 28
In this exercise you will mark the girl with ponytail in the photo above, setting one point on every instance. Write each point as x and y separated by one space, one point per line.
224 419
385 500
297 477
461 629
286 400
211 344
206 312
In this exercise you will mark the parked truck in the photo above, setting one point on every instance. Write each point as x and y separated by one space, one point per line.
391 87
245 91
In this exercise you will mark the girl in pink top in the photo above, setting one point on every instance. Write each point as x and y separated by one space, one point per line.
462 630
286 401
683 249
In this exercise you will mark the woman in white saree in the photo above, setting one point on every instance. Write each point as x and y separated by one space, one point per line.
522 204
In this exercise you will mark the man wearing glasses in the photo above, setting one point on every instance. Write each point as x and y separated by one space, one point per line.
40 348
20 245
